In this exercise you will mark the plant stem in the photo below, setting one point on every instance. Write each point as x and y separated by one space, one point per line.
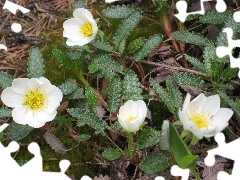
131 147
82 79
123 153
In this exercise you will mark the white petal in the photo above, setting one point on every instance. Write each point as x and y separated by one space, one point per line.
196 105
46 86
56 92
11 99
222 127
33 121
78 13
132 106
20 85
212 105
52 104
86 40
182 117
121 122
196 132
138 120
19 115
73 34
221 117
132 127
142 106
45 117
110 1
124 111
33 84
186 102
75 43
210 131
189 125
72 23
72 29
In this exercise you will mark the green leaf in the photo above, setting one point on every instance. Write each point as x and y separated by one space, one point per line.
191 38
209 59
163 94
16 132
61 120
119 11
116 126
103 45
223 86
234 106
147 138
62 57
222 39
21 162
89 118
154 164
229 73
214 17
1 136
76 94
136 44
5 112
126 27
188 161
186 78
195 62
91 97
111 154
78 4
121 46
5 80
164 138
84 137
131 86
35 64
151 43
78 58
180 150
114 94
68 86
105 65
174 92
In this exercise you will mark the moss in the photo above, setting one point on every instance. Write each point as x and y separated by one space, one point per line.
77 155
159 113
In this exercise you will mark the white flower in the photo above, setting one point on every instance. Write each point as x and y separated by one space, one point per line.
203 115
110 1
132 114
34 101
81 29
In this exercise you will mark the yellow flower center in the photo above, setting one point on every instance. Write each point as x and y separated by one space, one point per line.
200 120
86 29
34 99
130 118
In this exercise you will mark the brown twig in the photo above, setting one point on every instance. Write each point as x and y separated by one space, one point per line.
161 65
5 20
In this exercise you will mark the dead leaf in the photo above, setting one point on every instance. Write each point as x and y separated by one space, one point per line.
101 177
191 89
163 50
55 143
210 173
100 111
118 169
63 106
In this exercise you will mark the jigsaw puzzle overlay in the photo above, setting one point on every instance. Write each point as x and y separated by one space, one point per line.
33 168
